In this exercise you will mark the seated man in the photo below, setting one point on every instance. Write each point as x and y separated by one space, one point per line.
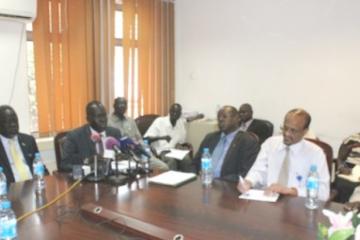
284 161
17 150
169 132
348 157
128 127
79 144
249 124
233 151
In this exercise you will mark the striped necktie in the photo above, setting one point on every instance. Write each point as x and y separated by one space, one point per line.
284 171
20 166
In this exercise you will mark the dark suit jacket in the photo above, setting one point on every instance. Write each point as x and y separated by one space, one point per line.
78 145
240 156
28 147
260 128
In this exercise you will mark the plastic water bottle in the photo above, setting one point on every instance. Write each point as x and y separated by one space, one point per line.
206 168
39 171
3 186
312 188
7 222
145 159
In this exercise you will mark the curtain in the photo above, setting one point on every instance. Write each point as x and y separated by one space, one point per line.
148 55
73 60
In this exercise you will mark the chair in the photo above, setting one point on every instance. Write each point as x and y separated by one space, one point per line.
262 128
328 151
58 144
144 122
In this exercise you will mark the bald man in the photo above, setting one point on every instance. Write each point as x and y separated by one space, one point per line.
268 170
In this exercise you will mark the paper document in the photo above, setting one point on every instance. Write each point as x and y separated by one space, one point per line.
353 160
177 154
172 178
259 195
354 176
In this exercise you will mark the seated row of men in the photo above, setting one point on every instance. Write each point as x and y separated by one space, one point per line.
281 165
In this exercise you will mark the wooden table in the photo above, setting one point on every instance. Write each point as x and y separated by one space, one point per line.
158 212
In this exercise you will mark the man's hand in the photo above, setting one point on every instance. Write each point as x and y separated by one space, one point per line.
277 188
244 186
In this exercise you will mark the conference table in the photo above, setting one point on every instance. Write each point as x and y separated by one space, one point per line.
143 210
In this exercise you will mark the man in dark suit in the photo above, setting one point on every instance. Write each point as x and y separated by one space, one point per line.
233 151
87 141
249 124
17 150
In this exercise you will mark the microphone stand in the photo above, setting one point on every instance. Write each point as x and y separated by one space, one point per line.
117 179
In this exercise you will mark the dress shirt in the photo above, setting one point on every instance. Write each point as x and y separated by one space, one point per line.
127 127
244 126
302 155
5 142
222 148
163 127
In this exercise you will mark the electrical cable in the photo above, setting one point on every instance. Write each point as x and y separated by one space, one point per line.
22 217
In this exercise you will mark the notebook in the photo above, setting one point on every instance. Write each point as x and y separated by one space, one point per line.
172 178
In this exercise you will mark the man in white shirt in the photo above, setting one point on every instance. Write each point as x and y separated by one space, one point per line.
284 161
169 132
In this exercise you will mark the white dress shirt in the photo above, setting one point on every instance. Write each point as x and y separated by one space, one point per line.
303 154
162 127
245 125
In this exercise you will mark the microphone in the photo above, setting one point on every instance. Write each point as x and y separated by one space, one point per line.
95 137
112 143
131 146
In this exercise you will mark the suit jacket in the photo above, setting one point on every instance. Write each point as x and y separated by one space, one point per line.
78 145
28 147
260 129
239 158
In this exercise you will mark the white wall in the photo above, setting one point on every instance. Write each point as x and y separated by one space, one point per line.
13 77
274 54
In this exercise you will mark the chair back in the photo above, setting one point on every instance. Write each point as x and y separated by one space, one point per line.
328 151
264 130
144 122
58 144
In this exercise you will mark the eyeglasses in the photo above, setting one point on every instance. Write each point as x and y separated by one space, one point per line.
292 131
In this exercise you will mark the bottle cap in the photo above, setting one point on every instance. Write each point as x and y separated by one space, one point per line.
1 169
6 204
206 150
146 142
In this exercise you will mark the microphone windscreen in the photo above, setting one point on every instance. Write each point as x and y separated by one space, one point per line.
110 142
95 137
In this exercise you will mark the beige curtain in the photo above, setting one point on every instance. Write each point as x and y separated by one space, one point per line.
148 55
73 44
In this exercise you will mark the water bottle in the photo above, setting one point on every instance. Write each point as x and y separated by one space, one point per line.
3 186
206 168
39 171
312 188
145 159
7 222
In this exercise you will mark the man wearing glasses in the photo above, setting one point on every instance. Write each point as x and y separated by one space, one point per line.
284 161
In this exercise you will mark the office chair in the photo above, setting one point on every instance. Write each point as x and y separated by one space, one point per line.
58 144
144 122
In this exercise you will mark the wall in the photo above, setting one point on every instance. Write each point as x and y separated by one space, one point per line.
13 78
274 54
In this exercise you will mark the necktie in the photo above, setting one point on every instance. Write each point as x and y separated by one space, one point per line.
218 156
101 146
284 171
20 166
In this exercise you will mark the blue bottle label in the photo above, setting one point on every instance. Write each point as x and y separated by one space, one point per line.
39 169
312 183
8 229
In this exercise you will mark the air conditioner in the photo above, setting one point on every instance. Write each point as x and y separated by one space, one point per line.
23 10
